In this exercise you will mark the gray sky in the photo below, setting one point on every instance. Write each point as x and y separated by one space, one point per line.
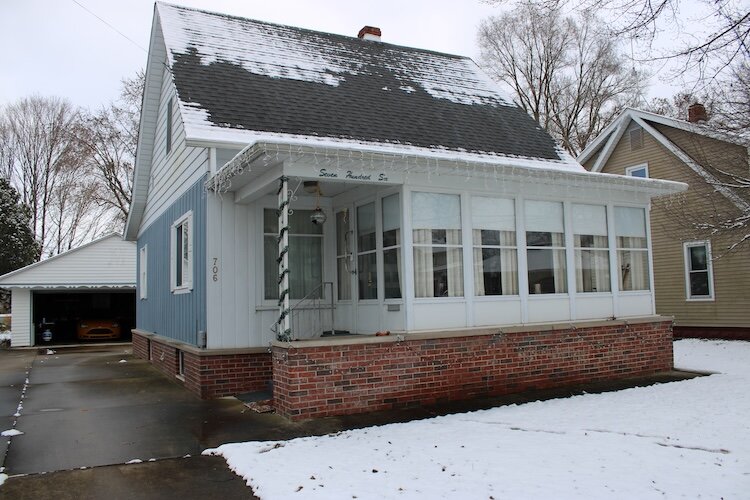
55 47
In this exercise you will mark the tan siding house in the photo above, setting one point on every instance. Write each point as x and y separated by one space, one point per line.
699 277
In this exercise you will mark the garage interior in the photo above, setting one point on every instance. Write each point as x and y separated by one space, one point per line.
62 312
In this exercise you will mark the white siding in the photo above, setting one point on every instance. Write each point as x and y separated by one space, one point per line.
21 317
108 261
171 174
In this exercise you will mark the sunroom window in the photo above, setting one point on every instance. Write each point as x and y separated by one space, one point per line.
494 243
632 248
545 247
438 264
343 255
367 272
391 209
305 255
591 248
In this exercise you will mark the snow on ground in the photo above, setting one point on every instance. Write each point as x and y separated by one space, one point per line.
6 336
11 432
689 438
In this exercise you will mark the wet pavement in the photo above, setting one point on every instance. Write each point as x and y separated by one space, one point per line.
99 407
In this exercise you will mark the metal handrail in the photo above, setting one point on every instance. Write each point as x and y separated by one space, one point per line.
315 299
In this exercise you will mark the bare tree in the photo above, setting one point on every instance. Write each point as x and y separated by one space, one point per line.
110 139
36 144
566 75
726 38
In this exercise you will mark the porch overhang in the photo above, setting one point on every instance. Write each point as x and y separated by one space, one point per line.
256 169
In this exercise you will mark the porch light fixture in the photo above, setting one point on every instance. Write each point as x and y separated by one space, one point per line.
318 216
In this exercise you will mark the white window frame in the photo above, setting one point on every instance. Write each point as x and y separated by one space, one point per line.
143 272
187 270
709 268
643 166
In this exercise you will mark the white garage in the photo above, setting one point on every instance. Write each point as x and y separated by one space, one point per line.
53 299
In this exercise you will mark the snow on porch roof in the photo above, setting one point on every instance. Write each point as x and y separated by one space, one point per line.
108 262
238 78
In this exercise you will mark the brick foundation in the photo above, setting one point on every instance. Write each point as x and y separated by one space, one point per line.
707 332
338 377
208 374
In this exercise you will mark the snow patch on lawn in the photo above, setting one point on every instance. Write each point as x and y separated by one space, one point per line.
134 461
11 432
687 439
3 477
6 336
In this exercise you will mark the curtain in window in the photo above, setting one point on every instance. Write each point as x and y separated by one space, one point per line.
455 265
423 271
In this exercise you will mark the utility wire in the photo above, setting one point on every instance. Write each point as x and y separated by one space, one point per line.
112 27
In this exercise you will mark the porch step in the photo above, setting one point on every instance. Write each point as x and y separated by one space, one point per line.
259 401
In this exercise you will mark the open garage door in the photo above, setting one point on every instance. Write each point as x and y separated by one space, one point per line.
94 316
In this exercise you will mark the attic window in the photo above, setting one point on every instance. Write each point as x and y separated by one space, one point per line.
636 138
169 126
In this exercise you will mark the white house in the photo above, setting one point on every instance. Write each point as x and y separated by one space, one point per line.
95 280
291 183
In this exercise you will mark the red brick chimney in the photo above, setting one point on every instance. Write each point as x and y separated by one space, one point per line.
369 33
697 113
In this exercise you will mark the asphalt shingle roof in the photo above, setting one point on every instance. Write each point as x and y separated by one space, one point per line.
246 75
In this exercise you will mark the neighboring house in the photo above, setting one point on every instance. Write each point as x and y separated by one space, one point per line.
95 281
290 182
702 277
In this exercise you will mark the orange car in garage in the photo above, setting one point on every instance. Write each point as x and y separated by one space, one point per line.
95 329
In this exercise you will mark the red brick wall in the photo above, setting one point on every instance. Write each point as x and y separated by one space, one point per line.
354 378
208 376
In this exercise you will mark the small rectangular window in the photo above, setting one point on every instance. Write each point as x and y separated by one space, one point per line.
169 126
637 171
182 253
698 270
143 272
181 365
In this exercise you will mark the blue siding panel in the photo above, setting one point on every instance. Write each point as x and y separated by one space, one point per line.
176 316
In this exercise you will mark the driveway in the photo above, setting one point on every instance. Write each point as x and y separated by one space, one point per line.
87 412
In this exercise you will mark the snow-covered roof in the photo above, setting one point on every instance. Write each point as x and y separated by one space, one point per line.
108 262
237 78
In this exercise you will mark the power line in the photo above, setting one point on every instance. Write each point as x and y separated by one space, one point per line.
110 26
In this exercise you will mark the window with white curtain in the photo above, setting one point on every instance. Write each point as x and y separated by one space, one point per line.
632 248
591 248
438 257
182 254
305 254
367 272
391 212
343 255
493 226
545 247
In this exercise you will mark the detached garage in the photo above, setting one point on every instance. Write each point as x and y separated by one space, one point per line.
85 293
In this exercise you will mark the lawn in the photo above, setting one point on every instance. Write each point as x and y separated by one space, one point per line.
682 439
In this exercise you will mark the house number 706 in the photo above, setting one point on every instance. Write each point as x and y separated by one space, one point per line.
215 269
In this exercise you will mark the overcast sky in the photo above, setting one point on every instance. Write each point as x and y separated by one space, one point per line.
55 47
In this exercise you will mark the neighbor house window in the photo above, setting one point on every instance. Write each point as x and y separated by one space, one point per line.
343 255
181 365
632 248
391 210
367 270
169 125
143 272
545 247
438 257
637 171
591 248
182 253
493 229
305 255
698 270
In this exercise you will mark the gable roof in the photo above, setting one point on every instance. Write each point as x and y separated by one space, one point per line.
238 78
107 262
604 145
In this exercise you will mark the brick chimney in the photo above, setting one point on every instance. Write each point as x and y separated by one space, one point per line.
369 33
697 113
